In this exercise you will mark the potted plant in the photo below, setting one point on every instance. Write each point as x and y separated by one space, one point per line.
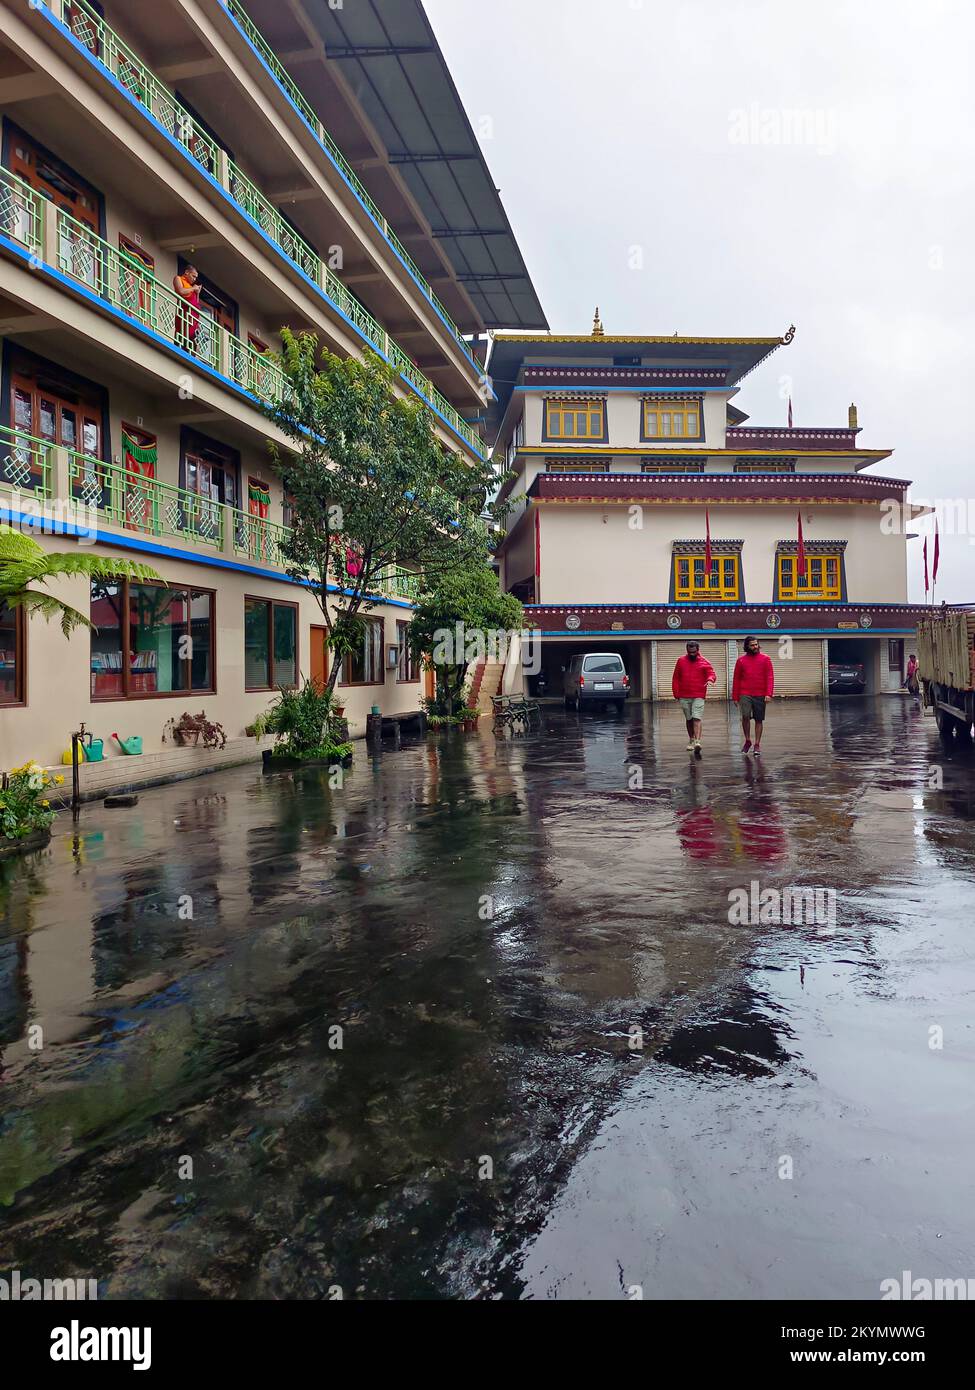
189 729
306 730
25 812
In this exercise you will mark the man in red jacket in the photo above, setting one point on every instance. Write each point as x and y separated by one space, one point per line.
692 676
753 683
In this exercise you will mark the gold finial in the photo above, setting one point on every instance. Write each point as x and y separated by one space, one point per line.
853 418
791 333
597 325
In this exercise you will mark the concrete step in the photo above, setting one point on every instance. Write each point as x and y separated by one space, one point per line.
490 684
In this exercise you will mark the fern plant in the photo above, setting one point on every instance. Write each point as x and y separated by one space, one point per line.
23 563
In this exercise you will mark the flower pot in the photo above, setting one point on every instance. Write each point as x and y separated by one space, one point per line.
186 738
37 839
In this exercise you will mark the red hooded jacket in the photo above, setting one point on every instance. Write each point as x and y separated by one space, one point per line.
754 675
692 678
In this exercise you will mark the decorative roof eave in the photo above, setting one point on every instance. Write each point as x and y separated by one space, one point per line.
707 451
643 338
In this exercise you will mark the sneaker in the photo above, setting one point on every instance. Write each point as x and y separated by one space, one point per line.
757 750
690 746
746 745
697 748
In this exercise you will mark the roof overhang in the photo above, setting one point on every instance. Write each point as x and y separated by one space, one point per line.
376 67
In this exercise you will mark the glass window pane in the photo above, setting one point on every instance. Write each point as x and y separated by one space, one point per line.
106 639
9 682
201 623
257 652
158 621
285 646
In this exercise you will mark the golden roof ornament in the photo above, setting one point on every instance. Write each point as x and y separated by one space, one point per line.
853 418
597 325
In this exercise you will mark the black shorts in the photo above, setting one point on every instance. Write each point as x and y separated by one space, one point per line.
752 707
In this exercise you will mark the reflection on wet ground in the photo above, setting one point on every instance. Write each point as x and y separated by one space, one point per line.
386 1037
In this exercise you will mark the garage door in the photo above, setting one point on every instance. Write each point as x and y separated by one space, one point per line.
666 659
802 674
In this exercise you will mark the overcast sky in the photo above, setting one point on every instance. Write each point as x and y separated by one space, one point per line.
765 164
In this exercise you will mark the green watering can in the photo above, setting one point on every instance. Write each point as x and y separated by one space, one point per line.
94 749
132 746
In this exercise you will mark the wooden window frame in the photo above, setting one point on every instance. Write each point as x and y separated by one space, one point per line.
720 593
654 469
793 594
577 466
19 699
272 603
407 661
560 408
127 696
351 684
682 406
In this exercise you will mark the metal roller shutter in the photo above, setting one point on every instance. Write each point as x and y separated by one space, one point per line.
667 653
800 674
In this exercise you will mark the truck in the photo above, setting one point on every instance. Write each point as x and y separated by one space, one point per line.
946 662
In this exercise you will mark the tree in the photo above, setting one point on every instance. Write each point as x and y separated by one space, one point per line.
455 624
370 486
23 562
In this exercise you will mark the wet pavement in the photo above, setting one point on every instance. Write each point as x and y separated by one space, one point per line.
478 1022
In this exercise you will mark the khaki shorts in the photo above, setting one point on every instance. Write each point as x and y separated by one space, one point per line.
693 709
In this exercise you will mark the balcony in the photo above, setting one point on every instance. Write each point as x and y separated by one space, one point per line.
119 61
51 236
40 479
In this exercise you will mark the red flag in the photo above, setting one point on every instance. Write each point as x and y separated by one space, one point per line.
707 548
801 565
790 412
927 586
937 555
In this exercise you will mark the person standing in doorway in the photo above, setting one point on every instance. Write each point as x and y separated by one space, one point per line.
753 683
912 682
693 674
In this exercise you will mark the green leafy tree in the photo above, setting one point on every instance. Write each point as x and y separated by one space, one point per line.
23 563
455 622
371 487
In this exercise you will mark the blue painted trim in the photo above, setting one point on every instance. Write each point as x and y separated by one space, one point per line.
57 527
219 188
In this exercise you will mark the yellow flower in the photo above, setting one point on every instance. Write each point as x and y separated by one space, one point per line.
59 779
45 803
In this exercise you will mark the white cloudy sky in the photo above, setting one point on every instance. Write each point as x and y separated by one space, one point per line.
617 124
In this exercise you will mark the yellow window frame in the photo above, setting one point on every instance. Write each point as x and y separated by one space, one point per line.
725 578
824 577
671 419
569 420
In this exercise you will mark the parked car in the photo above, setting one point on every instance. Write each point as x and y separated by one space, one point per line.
846 678
593 678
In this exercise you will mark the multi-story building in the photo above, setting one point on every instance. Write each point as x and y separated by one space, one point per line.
629 455
315 165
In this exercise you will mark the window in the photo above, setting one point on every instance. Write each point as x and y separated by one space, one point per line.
769 466
580 419
49 403
895 655
603 665
823 578
140 455
136 270
365 666
671 419
270 644
409 667
665 466
577 466
150 640
11 655
208 468
692 585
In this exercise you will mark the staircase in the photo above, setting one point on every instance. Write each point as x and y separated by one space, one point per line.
487 682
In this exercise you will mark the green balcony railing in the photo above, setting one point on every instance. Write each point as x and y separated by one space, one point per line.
91 30
264 50
25 463
138 503
402 583
256 538
21 212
